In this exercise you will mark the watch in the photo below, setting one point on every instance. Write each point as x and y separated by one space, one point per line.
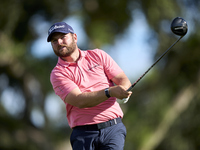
107 92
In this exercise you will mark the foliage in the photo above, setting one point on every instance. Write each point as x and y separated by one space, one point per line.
149 112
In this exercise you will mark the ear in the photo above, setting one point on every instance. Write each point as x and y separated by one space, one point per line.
75 37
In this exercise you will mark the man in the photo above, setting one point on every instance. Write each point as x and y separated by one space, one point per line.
88 82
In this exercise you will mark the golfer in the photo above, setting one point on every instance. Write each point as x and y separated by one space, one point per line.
89 82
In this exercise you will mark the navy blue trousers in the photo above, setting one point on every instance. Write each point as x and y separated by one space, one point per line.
110 138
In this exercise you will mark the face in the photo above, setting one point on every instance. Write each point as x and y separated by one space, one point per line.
64 44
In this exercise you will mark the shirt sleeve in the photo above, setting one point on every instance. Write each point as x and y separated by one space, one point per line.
111 68
61 84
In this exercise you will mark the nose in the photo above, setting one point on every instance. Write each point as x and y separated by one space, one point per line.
59 41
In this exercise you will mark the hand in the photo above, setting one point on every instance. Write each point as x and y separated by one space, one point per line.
119 92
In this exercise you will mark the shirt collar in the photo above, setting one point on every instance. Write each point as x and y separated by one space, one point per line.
66 64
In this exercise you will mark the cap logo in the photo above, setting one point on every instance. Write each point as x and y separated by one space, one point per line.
60 27
70 30
56 27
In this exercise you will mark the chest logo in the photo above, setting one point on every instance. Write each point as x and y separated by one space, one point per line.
93 67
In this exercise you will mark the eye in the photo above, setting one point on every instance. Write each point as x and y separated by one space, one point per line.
53 40
63 37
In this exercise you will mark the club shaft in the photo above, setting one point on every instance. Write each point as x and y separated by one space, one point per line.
131 87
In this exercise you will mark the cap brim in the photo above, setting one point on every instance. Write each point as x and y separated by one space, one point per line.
50 35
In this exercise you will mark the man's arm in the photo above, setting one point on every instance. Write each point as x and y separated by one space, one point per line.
85 100
91 99
121 80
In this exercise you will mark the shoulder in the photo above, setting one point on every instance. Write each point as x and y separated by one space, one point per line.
57 71
96 53
60 66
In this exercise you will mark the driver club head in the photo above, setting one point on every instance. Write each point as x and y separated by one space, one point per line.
179 26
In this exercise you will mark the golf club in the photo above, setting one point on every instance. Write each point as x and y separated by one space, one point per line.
178 27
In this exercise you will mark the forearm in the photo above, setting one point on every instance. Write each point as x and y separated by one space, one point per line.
122 79
123 83
91 99
87 99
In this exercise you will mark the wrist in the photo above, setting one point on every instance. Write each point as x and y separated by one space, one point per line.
107 92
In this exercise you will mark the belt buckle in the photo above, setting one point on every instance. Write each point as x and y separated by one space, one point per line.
113 122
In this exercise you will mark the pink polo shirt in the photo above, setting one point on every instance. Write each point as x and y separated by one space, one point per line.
92 72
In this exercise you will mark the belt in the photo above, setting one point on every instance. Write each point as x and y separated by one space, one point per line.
100 125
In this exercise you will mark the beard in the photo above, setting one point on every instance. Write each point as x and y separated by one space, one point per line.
67 49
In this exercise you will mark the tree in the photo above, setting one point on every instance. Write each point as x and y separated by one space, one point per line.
27 77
